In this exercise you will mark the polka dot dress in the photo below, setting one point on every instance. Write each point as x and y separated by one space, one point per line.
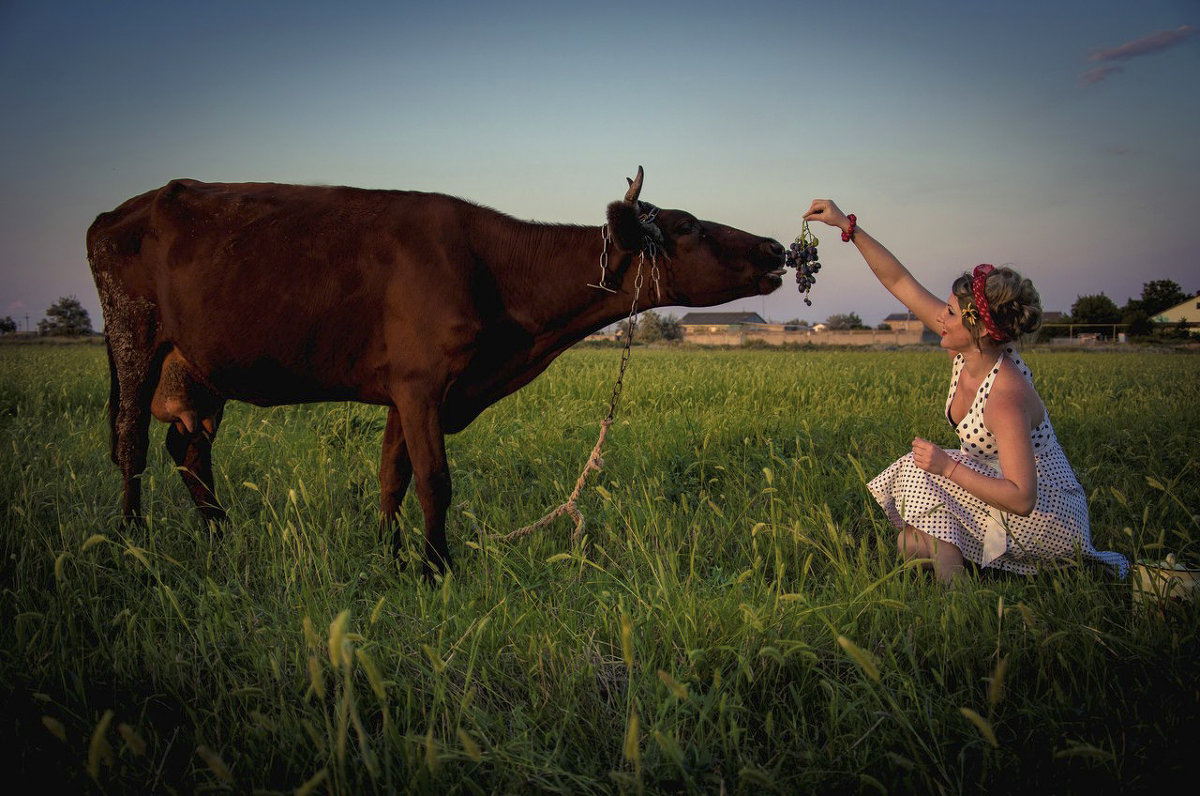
987 536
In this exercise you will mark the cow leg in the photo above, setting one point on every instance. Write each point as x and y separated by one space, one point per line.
395 473
192 452
427 450
114 402
136 361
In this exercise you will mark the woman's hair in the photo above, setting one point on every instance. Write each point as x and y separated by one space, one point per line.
1014 302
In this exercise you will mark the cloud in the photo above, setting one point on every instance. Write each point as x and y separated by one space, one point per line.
1146 45
1093 76
1152 43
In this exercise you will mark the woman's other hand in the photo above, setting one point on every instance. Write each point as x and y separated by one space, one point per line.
930 458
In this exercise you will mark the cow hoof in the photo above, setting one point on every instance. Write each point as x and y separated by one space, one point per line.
215 518
433 576
433 571
215 514
134 522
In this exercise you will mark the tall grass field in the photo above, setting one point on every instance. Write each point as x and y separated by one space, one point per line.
736 619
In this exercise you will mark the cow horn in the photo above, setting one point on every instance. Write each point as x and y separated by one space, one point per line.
635 187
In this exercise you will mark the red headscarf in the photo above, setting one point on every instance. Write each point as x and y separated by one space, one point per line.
979 278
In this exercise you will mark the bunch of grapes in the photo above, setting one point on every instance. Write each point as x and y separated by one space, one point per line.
803 257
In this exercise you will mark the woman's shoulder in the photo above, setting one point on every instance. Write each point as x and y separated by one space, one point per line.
1012 390
1011 378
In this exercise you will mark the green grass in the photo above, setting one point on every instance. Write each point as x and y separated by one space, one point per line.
736 621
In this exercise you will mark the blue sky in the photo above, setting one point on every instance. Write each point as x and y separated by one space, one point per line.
1057 137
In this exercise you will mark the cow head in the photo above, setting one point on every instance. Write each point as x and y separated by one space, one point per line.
705 263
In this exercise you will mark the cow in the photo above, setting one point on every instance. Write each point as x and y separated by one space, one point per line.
427 304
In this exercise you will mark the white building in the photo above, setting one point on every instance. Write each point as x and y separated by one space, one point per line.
1186 311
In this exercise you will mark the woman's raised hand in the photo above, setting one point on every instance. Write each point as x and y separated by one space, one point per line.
826 211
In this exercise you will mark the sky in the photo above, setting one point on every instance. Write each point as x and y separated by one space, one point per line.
1061 138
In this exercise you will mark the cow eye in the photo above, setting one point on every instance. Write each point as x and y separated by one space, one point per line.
686 227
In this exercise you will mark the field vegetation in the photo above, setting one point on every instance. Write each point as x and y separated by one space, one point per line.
736 620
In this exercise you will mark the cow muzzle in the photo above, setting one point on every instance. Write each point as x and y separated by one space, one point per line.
768 255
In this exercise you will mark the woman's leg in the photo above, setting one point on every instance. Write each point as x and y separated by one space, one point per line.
911 544
947 558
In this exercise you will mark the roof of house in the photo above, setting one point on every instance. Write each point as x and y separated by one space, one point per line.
719 318
1184 310
1053 316
901 316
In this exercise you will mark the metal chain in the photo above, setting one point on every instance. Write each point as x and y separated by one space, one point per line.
654 269
631 326
603 262
648 217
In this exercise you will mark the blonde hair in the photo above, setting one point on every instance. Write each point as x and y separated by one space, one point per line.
1014 303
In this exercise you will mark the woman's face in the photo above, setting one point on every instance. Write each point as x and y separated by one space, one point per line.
955 336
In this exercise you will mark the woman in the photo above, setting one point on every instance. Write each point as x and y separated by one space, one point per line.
1007 498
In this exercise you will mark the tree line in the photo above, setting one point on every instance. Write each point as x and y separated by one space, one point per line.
64 318
1137 316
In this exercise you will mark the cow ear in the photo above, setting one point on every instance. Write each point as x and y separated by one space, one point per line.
625 227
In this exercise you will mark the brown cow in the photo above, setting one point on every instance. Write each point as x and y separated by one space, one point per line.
424 303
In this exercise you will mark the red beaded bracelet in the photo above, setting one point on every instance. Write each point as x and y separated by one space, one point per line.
849 234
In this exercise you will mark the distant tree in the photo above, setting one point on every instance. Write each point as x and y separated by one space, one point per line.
1159 295
1095 309
1137 321
67 318
671 330
651 327
845 321
7 325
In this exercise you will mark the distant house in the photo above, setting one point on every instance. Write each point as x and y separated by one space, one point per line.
903 321
907 322
719 328
1185 311
717 322
1054 316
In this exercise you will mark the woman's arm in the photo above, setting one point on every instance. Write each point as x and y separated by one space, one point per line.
1007 418
890 272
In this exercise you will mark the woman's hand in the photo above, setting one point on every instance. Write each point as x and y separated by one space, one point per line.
826 211
930 458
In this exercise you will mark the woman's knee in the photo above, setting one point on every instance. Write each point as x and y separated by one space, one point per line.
909 543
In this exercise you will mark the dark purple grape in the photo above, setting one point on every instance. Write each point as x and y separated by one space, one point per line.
802 255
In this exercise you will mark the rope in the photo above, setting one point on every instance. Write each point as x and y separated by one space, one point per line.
594 461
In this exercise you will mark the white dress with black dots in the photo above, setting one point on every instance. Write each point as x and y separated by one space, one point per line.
985 535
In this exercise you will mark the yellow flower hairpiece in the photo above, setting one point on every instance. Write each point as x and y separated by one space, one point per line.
968 313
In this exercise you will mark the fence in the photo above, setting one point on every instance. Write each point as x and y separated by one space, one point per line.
1084 333
777 334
